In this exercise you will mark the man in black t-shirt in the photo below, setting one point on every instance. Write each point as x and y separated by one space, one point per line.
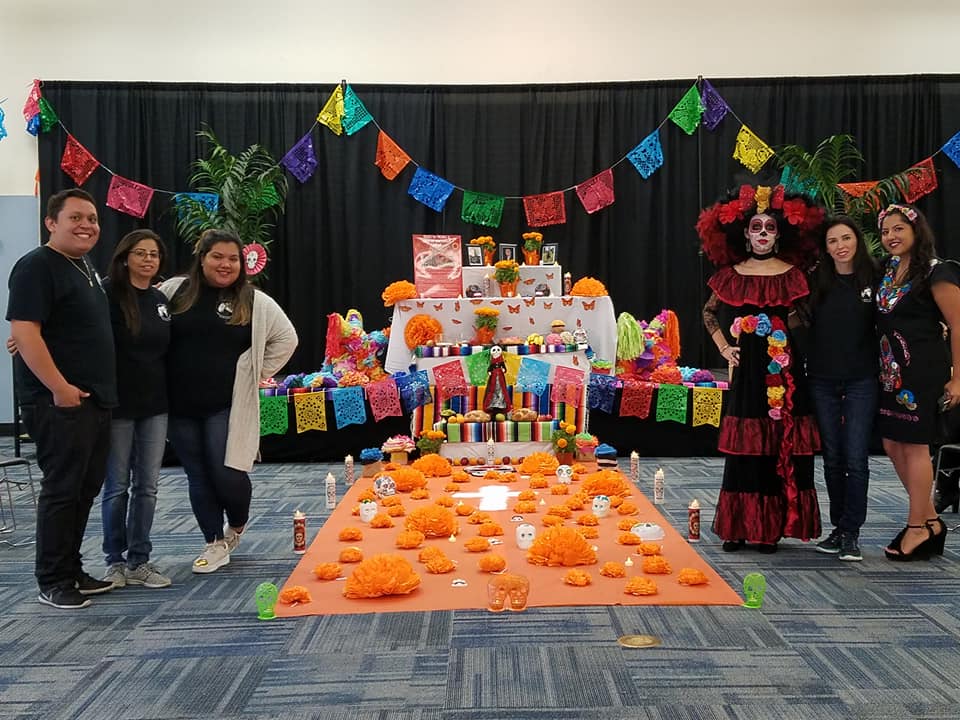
66 385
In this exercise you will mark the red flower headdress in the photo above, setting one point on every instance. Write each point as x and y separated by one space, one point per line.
799 219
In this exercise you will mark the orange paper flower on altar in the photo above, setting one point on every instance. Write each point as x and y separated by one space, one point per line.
396 511
539 462
450 487
578 578
381 575
327 571
459 476
588 287
492 563
575 502
560 511
440 564
479 517
559 489
527 495
538 482
432 521
561 546
421 329
588 519
397 291
692 576
667 375
428 553
640 586
420 494
613 569
294 595
433 465
627 508
351 555
590 533
464 510
381 521
656 565
628 538
407 479
350 534
525 507
391 500
626 524
367 494
490 529
649 548
409 539
616 501
477 544
552 520
605 482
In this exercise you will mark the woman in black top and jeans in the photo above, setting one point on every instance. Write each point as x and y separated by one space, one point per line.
842 368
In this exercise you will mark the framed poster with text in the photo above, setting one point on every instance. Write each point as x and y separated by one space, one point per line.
437 265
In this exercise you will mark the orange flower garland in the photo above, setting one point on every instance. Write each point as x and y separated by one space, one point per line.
397 291
381 575
421 329
588 287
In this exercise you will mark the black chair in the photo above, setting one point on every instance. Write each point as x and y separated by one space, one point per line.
20 481
947 478
20 436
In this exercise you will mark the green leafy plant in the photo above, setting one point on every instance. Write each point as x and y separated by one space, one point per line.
252 187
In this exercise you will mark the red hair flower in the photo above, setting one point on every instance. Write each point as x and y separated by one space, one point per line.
776 200
729 212
795 211
749 323
747 197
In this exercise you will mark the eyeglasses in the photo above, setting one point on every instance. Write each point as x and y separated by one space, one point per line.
141 253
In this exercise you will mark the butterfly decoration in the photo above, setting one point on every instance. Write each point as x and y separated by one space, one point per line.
548 306
567 302
420 304
589 305
456 306
496 302
530 302
550 276
439 307
476 301
576 360
579 322
529 281
532 321
405 308
456 322
515 309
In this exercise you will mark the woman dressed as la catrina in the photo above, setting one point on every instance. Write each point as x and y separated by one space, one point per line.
761 240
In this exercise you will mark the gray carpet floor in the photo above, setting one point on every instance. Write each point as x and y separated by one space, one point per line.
833 640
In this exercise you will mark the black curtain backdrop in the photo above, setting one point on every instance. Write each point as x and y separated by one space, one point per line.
347 231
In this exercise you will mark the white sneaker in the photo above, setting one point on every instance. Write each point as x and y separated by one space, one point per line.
232 538
214 556
117 575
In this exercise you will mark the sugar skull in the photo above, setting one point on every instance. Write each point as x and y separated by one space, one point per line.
754 588
508 592
525 535
647 531
384 486
564 474
580 337
601 506
368 509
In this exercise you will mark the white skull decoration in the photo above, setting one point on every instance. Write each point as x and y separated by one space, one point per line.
384 486
601 506
368 509
564 474
648 531
495 352
580 337
525 535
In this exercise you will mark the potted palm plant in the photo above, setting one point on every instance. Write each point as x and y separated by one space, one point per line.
250 188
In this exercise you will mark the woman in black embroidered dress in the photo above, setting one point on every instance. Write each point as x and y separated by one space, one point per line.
917 296
760 239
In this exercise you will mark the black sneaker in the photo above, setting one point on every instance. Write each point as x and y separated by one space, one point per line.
63 598
831 545
850 548
88 585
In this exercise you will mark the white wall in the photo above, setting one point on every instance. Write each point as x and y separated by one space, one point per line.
453 41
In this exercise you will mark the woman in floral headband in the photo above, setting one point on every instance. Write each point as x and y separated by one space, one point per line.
760 239
918 292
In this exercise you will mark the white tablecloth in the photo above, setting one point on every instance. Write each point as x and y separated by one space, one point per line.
530 277
518 317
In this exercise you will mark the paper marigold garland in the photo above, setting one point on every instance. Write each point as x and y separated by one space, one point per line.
254 258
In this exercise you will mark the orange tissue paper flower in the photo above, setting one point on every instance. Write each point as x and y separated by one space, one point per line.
490 529
465 510
575 502
367 494
640 586
396 511
351 555
477 544
628 538
588 287
692 576
538 482
381 575
560 511
440 564
590 533
492 563
421 329
649 548
391 500
588 519
539 462
656 565
509 477
432 521
578 578
381 521
613 569
450 487
294 595
433 465
420 494
350 534
409 539
616 501
559 489
397 291
445 501
428 553
525 507
561 546
479 518
605 482
527 495
327 571
552 520
626 524
408 479
459 476
627 508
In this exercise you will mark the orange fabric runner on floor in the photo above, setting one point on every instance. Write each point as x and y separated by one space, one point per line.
437 592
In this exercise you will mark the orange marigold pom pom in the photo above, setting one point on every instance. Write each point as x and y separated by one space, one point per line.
391 500
350 534
626 524
396 511
440 564
578 468
616 501
538 481
397 291
560 511
421 329
490 529
450 487
527 495
408 479
656 565
429 552
459 476
509 477
367 494
552 520
561 546
445 501
294 595
492 563
433 465
605 482
590 533
588 287
327 571
628 538
559 489
351 555
575 502
588 519
463 509
381 521
420 494
539 462
640 586
432 521
613 569
692 576
649 548
524 507
627 508
381 575
409 539
479 518
477 544
491 475
578 578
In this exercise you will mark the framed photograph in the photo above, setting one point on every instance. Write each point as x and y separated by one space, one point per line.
548 254
474 255
508 252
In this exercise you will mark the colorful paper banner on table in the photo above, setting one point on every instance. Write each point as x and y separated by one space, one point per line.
707 406
310 410
533 375
636 398
672 403
348 406
384 399
273 415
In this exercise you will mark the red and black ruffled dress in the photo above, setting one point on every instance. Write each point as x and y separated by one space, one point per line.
768 432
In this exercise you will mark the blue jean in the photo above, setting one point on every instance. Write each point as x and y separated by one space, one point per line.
215 489
129 496
846 410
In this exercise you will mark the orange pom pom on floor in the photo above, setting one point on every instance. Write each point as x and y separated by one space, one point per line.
447 572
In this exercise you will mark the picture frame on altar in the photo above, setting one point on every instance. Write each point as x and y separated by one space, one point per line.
473 291
474 255
507 251
548 254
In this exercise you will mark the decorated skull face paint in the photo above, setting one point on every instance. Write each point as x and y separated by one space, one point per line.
368 509
564 474
384 486
601 506
525 535
762 233
496 351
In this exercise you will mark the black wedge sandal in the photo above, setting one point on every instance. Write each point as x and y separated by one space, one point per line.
922 551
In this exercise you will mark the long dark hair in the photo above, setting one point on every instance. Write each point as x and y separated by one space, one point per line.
119 275
865 270
239 294
924 247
